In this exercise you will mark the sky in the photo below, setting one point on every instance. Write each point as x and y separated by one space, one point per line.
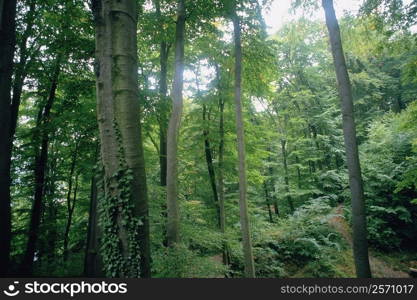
279 13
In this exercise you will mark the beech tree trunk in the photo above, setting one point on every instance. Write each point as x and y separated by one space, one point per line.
360 243
173 130
243 205
118 111
7 47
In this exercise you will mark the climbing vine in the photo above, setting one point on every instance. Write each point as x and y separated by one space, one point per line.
120 237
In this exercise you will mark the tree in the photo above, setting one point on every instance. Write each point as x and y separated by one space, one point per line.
244 217
7 47
173 128
121 141
360 244
41 138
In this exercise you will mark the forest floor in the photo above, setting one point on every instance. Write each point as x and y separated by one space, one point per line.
382 265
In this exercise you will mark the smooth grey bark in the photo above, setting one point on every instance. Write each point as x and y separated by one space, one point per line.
173 221
243 205
7 48
118 113
360 243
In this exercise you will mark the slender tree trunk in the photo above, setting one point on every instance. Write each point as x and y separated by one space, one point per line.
41 161
21 70
297 161
118 110
317 144
268 202
164 104
173 130
222 213
70 211
286 175
244 217
360 244
93 265
271 184
7 47
210 166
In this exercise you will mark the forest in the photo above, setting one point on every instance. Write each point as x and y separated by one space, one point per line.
181 139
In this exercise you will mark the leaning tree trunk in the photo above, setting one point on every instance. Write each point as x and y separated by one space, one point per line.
7 46
360 243
118 113
173 130
209 162
244 218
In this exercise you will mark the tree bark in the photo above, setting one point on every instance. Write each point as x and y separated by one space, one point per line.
360 244
173 130
243 205
118 110
7 48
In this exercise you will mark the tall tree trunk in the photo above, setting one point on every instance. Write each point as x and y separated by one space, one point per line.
7 47
244 217
21 69
164 104
93 265
297 161
271 185
286 174
360 243
173 130
317 144
118 110
70 211
222 213
209 162
41 161
268 202
69 202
